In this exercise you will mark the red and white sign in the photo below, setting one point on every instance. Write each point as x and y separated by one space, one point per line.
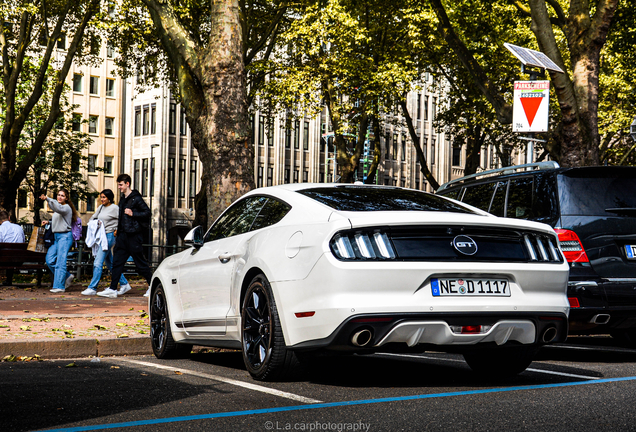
531 106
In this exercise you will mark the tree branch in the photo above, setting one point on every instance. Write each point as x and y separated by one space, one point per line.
480 79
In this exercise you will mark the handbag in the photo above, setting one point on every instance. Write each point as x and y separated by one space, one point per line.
49 236
36 242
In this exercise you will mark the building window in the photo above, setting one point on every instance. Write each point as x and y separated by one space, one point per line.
92 124
146 119
61 42
433 151
182 177
75 162
152 177
424 146
137 120
94 85
457 152
403 148
419 106
426 108
110 87
172 120
306 136
305 176
90 202
270 132
433 109
108 164
153 119
22 198
109 126
259 177
144 177
182 123
394 147
110 52
270 176
295 176
171 167
286 180
92 163
288 137
77 122
193 179
296 135
136 173
261 130
77 83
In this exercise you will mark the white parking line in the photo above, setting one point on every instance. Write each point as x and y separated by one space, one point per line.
461 361
249 386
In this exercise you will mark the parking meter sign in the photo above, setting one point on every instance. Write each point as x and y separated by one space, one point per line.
531 106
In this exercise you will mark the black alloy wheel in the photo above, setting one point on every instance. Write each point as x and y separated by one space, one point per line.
264 352
163 345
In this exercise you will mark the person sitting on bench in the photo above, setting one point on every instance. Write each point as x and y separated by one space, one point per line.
9 233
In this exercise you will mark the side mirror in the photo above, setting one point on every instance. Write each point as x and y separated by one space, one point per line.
194 237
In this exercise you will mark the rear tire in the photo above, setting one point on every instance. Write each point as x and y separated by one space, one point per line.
501 362
163 345
265 354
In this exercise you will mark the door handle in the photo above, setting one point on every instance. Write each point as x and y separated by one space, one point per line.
225 257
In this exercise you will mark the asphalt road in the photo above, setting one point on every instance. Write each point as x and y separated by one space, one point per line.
589 385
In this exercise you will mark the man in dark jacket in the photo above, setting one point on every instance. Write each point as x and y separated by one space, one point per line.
134 215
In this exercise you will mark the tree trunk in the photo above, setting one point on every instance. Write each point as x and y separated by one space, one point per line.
212 86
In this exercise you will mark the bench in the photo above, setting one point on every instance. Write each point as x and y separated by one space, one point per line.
15 256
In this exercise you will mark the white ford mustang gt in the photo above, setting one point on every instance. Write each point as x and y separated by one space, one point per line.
287 272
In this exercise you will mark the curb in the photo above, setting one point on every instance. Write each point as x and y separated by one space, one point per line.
74 348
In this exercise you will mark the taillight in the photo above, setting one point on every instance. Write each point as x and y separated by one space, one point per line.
571 246
574 302
362 246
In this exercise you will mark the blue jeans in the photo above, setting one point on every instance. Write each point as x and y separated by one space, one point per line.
98 264
56 258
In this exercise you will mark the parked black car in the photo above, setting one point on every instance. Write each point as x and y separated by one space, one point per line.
593 211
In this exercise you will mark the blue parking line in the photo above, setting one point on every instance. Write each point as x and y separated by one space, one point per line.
333 404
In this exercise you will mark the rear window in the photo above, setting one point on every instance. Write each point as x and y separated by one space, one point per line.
360 198
592 196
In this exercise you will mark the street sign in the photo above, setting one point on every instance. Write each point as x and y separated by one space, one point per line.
531 106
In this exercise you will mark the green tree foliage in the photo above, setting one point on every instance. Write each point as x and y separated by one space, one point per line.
37 29
61 158
202 48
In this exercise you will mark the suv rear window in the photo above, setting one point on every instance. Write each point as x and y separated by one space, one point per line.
591 196
360 198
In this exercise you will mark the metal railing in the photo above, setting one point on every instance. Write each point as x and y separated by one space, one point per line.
81 259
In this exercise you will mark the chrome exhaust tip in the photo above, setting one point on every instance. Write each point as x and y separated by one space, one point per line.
549 334
361 338
600 319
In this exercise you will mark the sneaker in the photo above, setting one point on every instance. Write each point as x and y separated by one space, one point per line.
89 291
69 281
57 290
111 293
124 289
147 293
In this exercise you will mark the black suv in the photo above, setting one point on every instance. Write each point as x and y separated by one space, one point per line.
593 211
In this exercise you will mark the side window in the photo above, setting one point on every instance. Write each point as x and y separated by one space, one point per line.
479 196
520 198
499 199
271 213
452 194
237 219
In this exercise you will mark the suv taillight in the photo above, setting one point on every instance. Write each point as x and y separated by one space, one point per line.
571 246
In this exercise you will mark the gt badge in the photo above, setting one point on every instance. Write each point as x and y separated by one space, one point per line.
465 245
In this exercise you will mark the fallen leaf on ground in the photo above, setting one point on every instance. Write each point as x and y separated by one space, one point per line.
71 365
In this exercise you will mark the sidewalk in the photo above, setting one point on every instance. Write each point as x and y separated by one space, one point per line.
35 322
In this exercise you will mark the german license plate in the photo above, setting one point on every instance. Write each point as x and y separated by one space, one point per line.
631 251
470 287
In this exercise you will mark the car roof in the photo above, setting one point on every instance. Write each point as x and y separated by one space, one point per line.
511 172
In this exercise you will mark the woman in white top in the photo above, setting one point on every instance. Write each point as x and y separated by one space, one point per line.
108 214
63 217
